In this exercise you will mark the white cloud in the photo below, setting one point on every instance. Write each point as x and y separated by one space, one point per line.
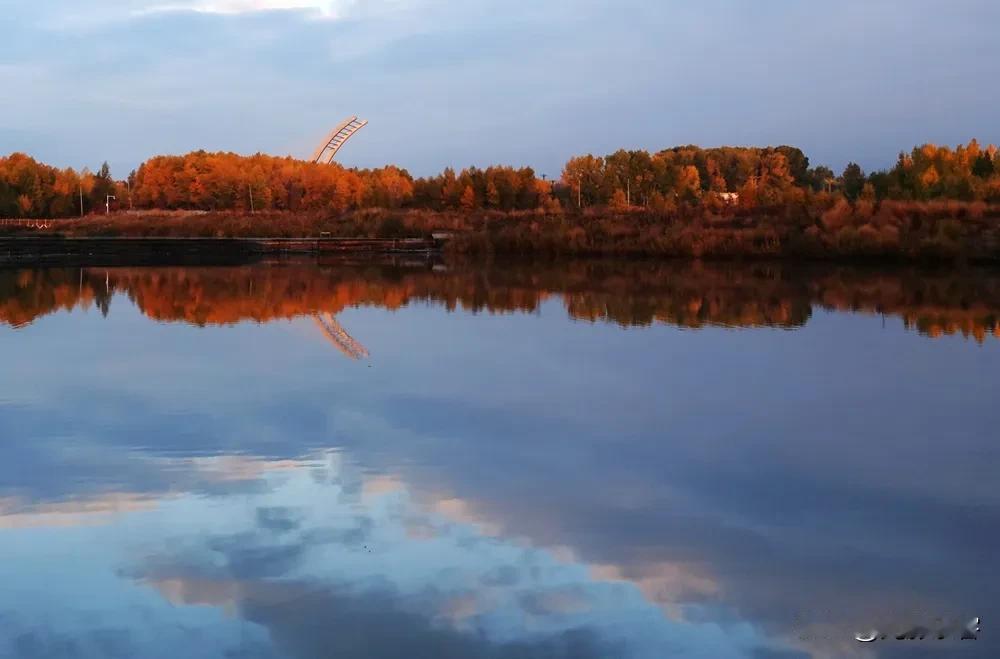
333 9
447 82
325 8
70 18
63 16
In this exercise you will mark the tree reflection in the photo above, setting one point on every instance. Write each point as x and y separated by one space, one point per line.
684 294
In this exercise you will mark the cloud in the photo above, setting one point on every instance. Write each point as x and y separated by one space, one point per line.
324 8
446 83
99 510
345 622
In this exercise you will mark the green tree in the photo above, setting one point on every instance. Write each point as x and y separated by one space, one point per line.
821 178
798 164
103 187
881 183
853 180
983 166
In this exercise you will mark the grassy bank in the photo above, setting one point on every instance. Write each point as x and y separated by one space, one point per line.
890 230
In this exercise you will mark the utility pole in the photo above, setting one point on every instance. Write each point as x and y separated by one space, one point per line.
250 187
628 194
128 186
107 203
579 192
81 199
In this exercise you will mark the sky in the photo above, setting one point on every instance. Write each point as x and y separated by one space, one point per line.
479 82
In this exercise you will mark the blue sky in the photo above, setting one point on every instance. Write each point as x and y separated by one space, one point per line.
449 83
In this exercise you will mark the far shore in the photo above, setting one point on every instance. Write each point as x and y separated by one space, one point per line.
41 249
890 231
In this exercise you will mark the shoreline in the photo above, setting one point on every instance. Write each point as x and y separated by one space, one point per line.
156 250
887 233
58 250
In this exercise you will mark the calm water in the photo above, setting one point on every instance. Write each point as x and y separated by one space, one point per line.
584 460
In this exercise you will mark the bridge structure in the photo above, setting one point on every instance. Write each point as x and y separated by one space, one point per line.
329 147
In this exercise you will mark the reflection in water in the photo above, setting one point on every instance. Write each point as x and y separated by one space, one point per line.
494 485
628 293
339 337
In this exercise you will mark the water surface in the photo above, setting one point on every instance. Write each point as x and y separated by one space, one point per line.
589 459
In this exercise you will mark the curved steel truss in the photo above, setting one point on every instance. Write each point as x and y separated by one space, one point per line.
336 139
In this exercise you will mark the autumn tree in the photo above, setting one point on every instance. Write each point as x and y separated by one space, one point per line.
492 195
585 175
688 185
673 180
468 201
618 201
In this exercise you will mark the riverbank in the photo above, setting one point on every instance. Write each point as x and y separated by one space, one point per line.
884 232
888 231
56 249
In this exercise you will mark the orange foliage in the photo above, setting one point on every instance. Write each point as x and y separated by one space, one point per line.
626 293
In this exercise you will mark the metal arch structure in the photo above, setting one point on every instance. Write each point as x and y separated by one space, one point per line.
336 139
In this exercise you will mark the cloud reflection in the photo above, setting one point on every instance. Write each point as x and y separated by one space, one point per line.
376 593
496 483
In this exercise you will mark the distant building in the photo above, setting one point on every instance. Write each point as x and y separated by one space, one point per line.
730 197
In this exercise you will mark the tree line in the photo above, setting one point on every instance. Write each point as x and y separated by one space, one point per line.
32 189
776 175
680 177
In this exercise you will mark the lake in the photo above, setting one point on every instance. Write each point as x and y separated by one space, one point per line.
411 458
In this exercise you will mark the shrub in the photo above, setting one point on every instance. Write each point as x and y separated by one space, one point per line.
391 227
838 216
